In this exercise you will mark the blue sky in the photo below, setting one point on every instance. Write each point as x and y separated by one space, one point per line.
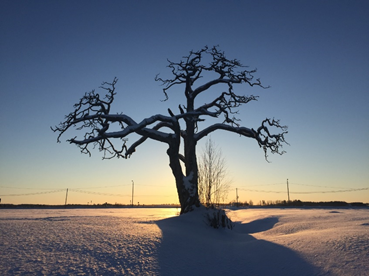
313 54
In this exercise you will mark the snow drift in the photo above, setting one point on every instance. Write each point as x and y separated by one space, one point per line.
157 242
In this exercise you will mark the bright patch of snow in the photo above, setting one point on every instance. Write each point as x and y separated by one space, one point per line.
152 241
188 185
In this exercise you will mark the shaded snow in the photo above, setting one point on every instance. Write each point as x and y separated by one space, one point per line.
153 242
335 240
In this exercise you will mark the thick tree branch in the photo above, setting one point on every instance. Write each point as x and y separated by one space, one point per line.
240 130
92 114
133 147
266 140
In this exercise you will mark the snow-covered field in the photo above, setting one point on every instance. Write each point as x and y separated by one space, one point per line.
157 242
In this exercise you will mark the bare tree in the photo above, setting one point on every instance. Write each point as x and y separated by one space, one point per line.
109 132
213 184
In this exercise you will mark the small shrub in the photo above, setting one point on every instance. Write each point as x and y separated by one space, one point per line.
217 218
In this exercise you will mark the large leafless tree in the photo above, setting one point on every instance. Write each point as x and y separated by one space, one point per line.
92 116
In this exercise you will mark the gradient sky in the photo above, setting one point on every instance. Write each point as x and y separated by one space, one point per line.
313 54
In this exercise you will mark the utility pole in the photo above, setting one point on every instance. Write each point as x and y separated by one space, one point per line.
66 198
237 196
133 190
288 191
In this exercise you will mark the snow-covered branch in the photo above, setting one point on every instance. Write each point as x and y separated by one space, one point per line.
92 114
244 131
266 140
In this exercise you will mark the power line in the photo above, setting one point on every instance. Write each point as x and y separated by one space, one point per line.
24 188
260 185
262 191
337 191
97 193
342 190
92 187
314 192
39 193
319 186
102 187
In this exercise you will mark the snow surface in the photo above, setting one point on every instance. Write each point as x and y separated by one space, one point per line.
154 241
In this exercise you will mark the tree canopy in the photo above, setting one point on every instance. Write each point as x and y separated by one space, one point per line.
92 116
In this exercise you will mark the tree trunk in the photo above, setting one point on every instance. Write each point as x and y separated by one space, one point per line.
186 187
191 179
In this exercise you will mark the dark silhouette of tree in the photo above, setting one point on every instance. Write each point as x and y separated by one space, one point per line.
109 132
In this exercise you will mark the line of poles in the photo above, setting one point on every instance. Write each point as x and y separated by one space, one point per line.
133 191
288 193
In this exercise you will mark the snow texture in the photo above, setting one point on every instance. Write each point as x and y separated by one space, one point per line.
188 185
153 241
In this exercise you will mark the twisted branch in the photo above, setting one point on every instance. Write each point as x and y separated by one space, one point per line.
92 115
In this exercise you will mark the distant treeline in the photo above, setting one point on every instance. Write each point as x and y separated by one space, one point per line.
299 203
71 206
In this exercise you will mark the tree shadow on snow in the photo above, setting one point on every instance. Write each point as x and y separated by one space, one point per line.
256 226
190 247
